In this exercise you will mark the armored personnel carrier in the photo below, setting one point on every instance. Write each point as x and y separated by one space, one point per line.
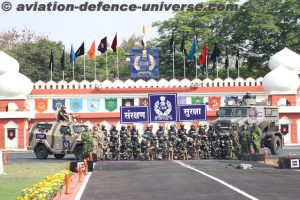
266 118
57 138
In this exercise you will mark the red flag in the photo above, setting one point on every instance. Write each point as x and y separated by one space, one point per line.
92 51
114 44
202 59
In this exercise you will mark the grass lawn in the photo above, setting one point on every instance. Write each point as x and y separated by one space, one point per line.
22 175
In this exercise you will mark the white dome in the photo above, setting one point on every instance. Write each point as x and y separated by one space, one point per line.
287 58
281 81
14 84
8 63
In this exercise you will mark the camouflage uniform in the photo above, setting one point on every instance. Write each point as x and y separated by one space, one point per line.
245 139
87 142
256 138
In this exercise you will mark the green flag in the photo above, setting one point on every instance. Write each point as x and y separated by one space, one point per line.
197 100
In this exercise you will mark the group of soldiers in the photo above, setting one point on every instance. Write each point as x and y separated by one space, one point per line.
203 142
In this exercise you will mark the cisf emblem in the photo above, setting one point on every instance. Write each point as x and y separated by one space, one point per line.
41 105
163 107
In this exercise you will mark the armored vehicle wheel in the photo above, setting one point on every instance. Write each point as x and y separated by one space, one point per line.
78 152
59 156
276 145
41 152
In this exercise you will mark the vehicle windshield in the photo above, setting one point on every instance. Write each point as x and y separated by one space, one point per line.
240 112
225 112
78 129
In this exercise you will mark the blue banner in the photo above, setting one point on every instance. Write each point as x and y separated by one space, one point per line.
144 63
57 103
75 105
134 114
162 107
194 112
93 105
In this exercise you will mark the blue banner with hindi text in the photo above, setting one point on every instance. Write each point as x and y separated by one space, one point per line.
194 112
134 114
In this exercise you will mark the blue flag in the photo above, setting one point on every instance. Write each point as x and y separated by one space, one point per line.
72 54
193 49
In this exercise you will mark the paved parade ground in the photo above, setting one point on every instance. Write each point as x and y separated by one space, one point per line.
196 179
199 179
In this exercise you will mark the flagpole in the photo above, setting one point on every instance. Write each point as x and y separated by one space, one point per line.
196 67
51 70
84 67
228 72
73 70
206 67
173 49
118 64
238 68
106 65
63 75
217 68
183 64
95 68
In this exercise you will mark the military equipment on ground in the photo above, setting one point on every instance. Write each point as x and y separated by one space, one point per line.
57 138
266 117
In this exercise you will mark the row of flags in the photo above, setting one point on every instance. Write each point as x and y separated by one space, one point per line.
102 47
216 53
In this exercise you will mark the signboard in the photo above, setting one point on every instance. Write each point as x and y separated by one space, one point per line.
144 63
194 112
294 163
162 107
134 114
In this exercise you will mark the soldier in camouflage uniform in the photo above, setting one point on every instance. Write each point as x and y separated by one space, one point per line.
87 140
106 142
181 132
256 138
245 138
95 146
114 142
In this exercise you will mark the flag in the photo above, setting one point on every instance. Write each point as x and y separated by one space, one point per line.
215 54
92 51
202 59
114 44
226 60
62 60
237 59
72 54
51 63
144 36
103 45
193 49
182 46
80 51
172 43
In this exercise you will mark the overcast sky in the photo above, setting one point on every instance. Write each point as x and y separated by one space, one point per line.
76 27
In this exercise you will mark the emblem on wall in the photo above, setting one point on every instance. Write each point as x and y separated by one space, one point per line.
57 103
41 105
76 105
214 102
111 104
11 133
93 104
